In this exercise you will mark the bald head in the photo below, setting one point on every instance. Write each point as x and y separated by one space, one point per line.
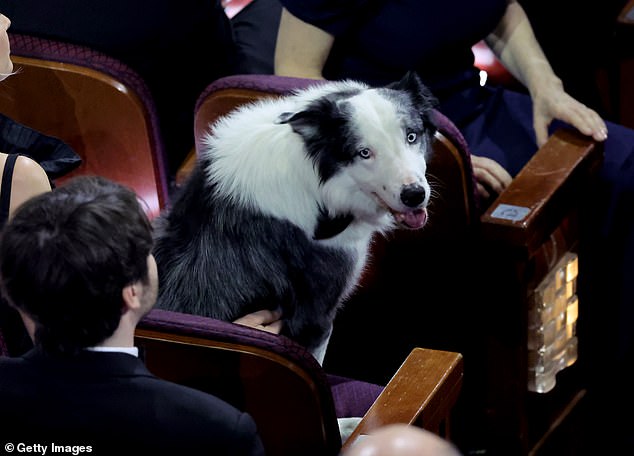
402 440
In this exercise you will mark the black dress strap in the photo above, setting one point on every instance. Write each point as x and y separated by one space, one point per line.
14 340
5 188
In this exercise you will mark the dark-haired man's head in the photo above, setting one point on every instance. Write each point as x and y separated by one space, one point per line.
76 263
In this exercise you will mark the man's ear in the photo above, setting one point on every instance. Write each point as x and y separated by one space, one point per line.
131 296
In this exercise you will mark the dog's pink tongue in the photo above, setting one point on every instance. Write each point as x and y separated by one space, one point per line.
414 219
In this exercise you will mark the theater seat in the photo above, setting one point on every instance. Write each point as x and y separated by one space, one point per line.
97 105
293 402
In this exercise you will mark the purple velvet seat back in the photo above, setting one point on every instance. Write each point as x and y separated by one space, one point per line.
48 49
350 397
267 83
268 376
222 331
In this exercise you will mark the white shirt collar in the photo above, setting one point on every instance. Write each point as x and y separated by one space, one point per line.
134 351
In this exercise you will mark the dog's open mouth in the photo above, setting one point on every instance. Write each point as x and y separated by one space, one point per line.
412 220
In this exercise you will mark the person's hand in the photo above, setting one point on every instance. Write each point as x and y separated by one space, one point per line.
265 320
491 178
552 102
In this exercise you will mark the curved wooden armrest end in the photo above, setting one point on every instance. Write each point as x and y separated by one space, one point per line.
422 392
544 191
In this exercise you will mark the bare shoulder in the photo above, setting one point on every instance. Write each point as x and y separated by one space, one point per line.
29 179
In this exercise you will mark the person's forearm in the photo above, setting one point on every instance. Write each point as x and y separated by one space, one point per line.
513 42
301 49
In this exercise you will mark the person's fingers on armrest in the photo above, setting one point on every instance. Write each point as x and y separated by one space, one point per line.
589 122
540 124
490 174
482 191
575 113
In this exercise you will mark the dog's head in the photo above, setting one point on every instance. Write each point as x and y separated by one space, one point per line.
368 146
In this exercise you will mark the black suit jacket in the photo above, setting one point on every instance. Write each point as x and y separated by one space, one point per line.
112 403
178 47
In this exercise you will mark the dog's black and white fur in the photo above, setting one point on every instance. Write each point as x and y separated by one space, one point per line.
281 207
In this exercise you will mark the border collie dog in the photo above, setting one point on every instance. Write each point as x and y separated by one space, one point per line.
281 207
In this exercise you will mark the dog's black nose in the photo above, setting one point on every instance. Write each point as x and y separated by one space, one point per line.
412 195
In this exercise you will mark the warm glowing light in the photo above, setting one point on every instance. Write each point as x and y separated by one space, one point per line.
552 341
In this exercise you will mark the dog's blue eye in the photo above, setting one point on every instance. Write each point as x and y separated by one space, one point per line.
411 137
364 153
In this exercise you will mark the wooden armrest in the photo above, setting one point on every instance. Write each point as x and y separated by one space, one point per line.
531 207
422 392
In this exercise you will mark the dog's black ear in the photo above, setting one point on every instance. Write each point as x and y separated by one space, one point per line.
308 121
419 92
410 82
302 122
285 117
